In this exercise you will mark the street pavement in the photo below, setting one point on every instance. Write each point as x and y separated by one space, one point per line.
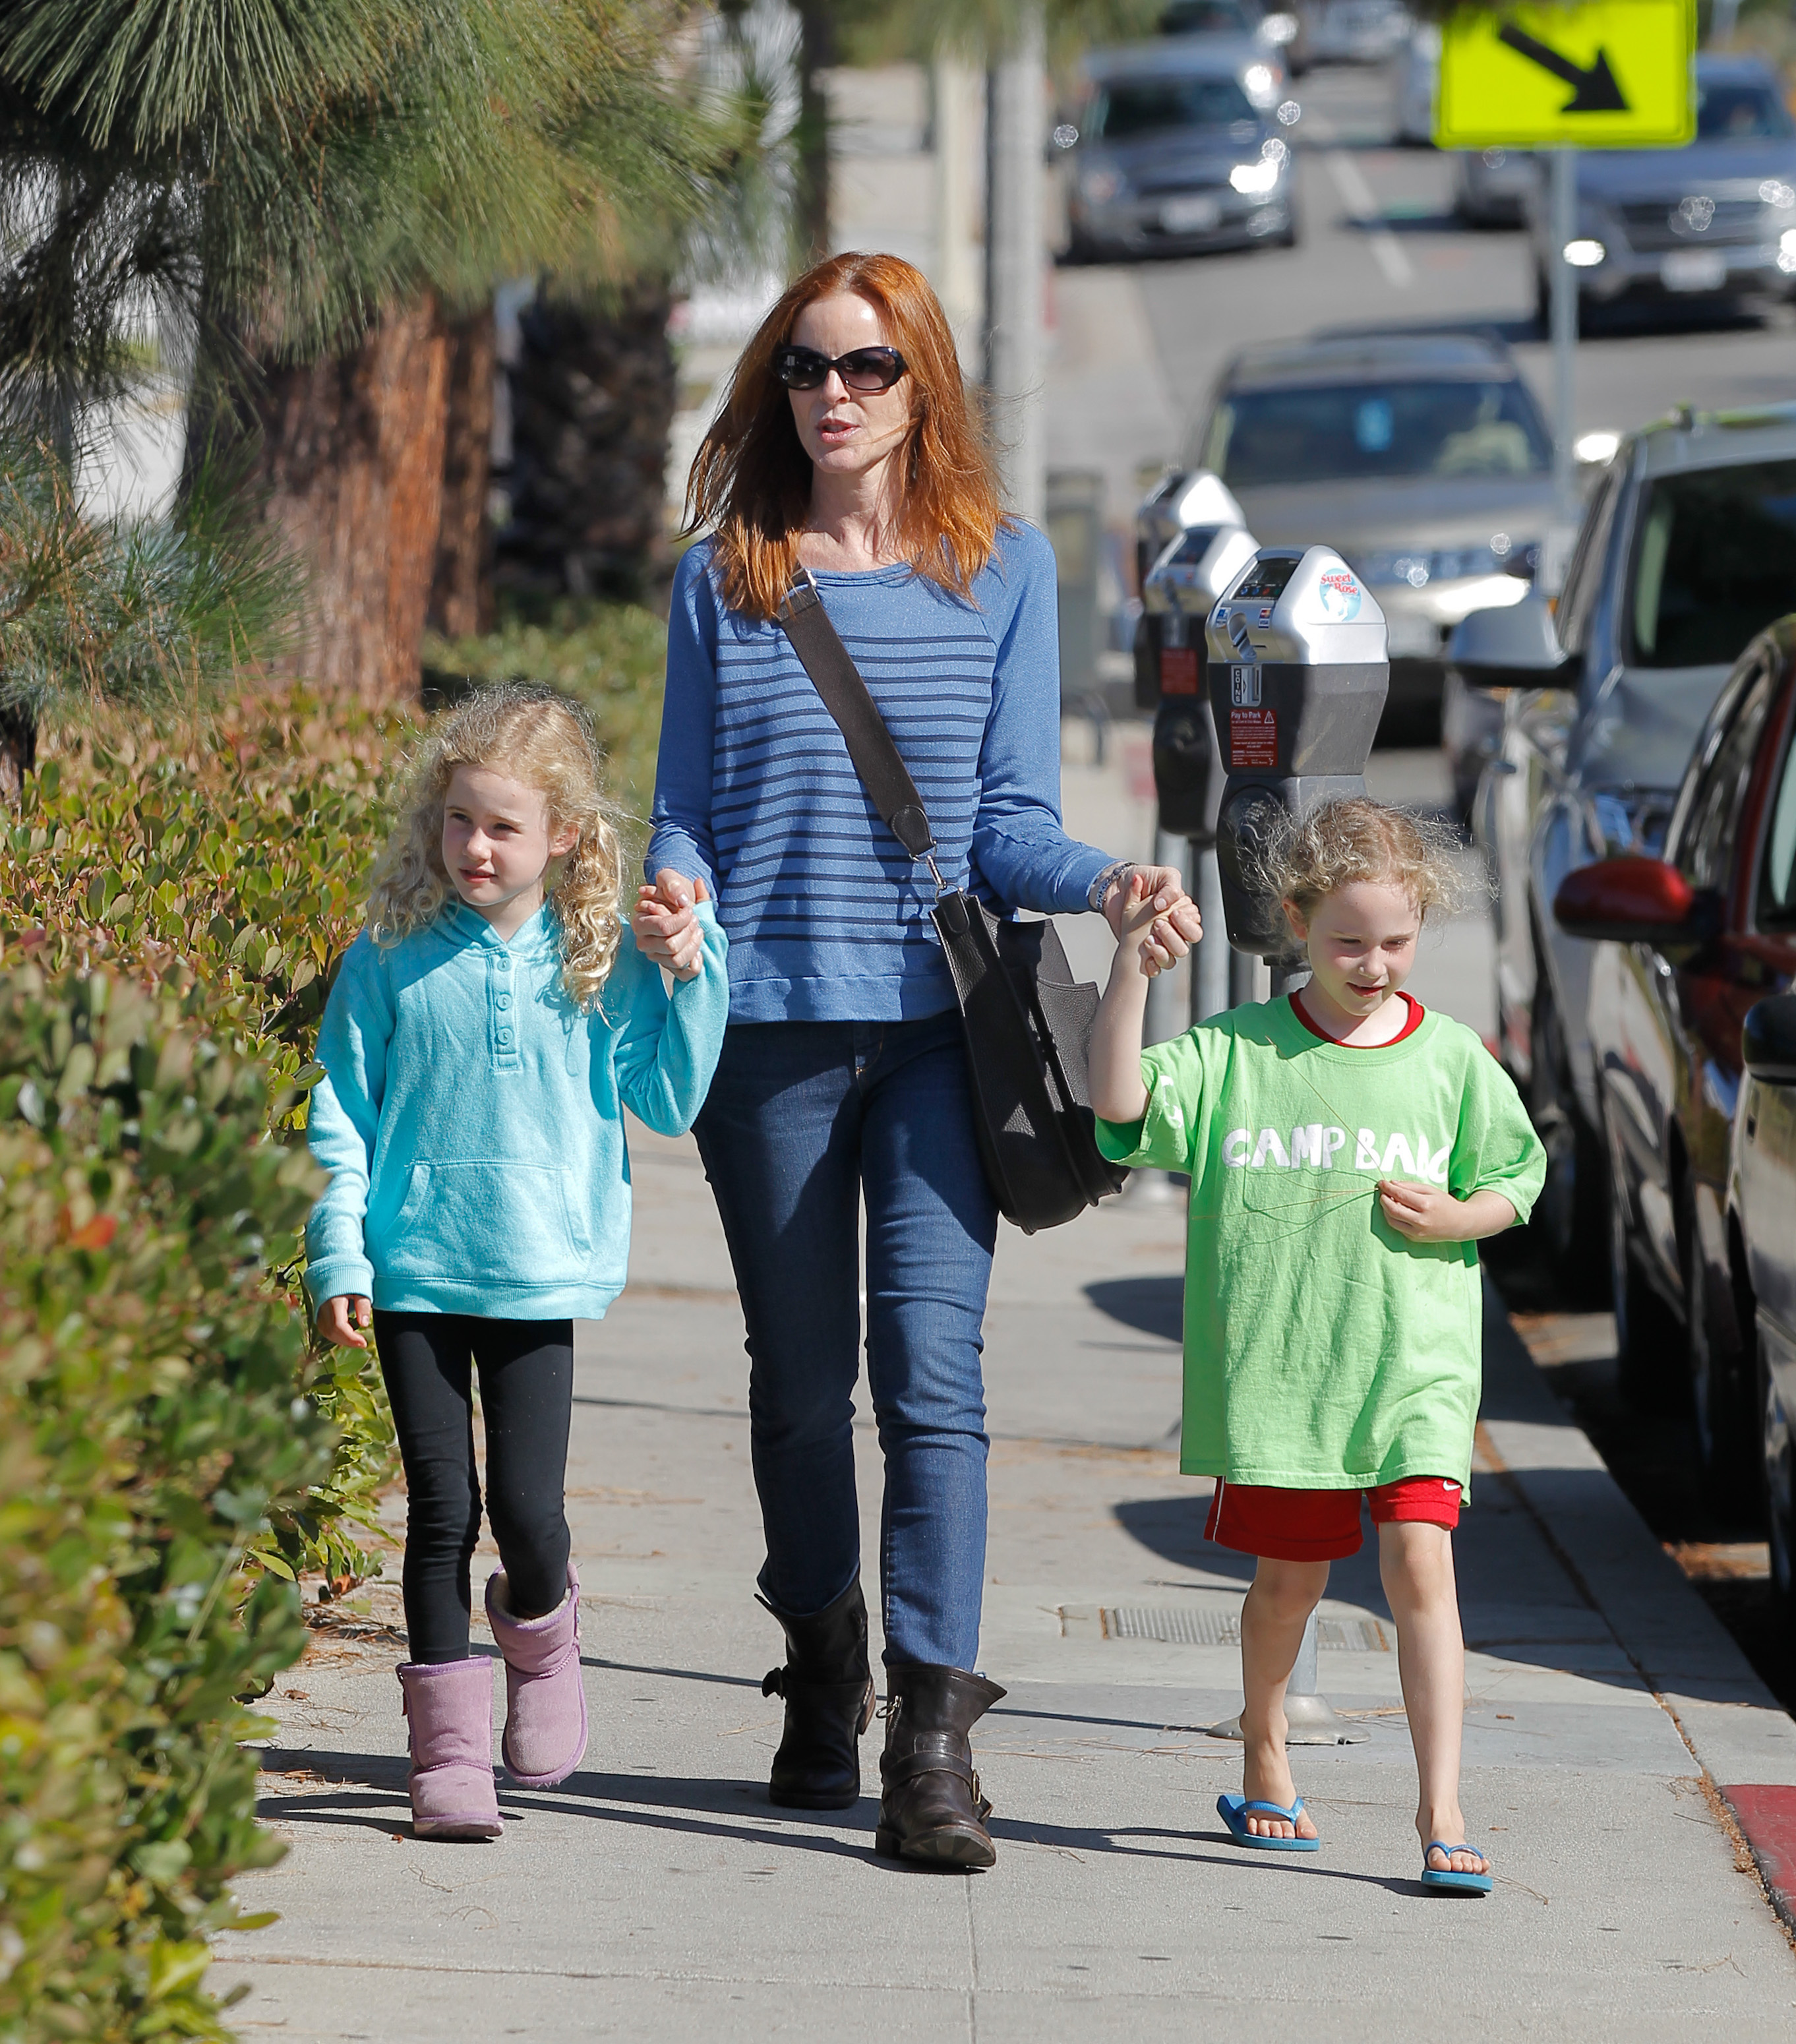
1136 348
657 1893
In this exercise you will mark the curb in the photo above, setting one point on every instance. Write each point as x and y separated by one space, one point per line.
1738 1734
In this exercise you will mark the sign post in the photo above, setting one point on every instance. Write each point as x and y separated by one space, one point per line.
1604 75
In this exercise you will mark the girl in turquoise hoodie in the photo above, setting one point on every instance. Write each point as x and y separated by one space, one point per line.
487 1030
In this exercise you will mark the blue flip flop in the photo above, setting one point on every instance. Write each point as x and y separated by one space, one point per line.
1234 1811
1445 1881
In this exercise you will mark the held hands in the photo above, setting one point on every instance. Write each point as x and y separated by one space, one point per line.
339 1317
1152 906
664 926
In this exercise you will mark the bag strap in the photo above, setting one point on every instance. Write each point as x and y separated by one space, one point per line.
844 695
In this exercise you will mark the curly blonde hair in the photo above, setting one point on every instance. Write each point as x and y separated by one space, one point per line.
540 738
1305 859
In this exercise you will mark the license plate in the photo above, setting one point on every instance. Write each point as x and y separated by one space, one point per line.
1190 216
1693 270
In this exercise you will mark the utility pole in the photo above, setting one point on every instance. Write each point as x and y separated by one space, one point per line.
1015 89
1564 210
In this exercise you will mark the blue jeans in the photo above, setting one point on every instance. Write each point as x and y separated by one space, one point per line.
803 1119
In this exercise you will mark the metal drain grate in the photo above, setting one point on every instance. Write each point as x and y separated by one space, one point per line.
1200 1627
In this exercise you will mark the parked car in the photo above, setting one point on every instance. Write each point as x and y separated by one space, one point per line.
1347 31
1693 940
1762 1200
1687 550
1424 458
1494 187
1714 221
1178 147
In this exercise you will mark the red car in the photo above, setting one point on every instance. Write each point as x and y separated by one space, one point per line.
1693 941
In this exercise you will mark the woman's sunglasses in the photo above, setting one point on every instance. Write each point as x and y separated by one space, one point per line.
863 369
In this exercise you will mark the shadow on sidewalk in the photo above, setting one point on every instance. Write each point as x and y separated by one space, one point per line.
704 1806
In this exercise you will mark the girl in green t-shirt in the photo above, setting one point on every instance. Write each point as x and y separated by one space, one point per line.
1346 1152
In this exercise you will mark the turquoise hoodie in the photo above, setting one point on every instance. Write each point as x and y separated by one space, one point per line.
471 1118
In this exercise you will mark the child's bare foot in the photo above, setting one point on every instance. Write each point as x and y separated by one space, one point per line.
1445 1826
1266 1778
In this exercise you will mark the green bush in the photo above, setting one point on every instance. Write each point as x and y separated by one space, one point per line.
232 874
609 656
154 1434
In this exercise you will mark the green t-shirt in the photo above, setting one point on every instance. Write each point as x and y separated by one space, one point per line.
1323 1350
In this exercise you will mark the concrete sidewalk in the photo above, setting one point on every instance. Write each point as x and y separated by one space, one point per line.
657 1893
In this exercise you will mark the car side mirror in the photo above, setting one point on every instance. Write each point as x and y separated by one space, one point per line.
1512 647
1768 1040
1633 901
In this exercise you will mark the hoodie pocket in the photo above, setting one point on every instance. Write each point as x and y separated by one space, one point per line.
497 1223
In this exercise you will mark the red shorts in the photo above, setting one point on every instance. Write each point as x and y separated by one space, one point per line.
1321 1525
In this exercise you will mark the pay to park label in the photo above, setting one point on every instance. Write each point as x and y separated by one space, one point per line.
1613 75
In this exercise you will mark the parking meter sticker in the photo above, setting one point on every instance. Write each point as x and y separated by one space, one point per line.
1340 595
1253 738
1178 671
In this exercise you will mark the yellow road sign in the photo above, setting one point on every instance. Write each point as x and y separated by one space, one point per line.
1613 75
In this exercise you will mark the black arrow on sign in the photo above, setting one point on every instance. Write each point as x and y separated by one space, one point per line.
1595 90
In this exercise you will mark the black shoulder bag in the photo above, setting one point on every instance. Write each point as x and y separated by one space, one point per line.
1025 1021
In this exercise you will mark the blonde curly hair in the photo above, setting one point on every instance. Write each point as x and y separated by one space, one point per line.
536 736
1305 859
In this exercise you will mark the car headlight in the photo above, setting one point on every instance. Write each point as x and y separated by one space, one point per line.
1260 82
1585 253
1100 186
1773 191
1786 251
1255 179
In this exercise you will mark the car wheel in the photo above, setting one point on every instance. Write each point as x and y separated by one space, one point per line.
1572 1207
1645 1361
1723 1433
1779 1448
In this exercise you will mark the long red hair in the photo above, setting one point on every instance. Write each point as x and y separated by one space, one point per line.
751 480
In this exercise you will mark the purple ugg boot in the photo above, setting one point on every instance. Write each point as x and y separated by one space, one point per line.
448 1709
545 1737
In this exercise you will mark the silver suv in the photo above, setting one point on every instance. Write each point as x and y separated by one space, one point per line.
1715 221
1687 549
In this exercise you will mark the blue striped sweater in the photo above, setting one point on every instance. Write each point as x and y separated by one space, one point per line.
827 919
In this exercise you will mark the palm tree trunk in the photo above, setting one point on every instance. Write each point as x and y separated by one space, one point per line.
592 398
350 464
461 597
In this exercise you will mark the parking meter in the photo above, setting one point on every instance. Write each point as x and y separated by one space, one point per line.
1180 502
1195 568
1299 672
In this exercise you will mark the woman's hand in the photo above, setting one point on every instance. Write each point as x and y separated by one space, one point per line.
1174 913
664 926
338 1318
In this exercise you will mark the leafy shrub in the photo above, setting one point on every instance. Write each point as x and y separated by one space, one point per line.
234 877
152 1436
609 656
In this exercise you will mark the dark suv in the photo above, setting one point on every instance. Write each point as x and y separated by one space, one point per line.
1696 942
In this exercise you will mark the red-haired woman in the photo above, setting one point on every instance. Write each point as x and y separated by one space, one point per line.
846 449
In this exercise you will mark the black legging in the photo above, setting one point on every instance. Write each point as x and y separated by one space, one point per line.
526 1399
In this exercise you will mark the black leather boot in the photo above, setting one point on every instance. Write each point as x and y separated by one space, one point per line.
930 1806
828 1689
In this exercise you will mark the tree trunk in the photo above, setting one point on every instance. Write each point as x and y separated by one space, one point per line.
349 460
593 398
811 223
461 597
